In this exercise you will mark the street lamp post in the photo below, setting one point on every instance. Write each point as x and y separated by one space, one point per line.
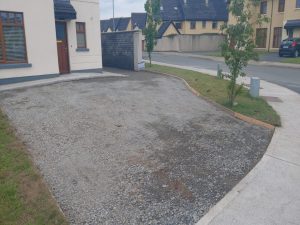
114 29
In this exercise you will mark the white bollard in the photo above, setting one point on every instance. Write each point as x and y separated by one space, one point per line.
254 87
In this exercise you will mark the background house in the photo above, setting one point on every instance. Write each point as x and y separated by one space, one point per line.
116 24
284 21
195 16
42 39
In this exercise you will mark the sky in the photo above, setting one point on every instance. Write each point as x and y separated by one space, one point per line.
123 8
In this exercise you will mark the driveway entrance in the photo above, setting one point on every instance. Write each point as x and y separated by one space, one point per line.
140 149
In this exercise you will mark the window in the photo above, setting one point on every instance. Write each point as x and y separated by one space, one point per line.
261 37
281 5
214 25
12 38
277 37
178 25
263 7
81 35
203 24
193 25
297 3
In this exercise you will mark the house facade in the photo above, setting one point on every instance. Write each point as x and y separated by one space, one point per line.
284 22
43 39
195 16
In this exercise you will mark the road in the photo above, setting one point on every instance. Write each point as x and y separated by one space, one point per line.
286 77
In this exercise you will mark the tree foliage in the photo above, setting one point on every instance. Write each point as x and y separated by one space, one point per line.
239 45
152 8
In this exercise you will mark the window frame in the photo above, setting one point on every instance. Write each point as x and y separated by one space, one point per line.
277 37
216 25
257 40
281 6
178 25
262 12
3 46
81 32
193 25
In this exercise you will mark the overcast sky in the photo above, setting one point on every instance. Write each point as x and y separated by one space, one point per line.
123 8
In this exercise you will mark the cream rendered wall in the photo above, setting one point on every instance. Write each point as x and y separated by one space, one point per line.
170 31
88 12
277 21
199 30
40 37
291 13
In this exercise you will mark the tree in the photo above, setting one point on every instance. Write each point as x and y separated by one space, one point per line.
238 47
152 7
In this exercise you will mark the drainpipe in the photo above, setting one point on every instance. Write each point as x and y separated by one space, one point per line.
271 22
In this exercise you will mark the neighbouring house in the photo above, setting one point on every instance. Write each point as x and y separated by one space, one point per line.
138 21
284 21
116 24
43 39
166 29
195 16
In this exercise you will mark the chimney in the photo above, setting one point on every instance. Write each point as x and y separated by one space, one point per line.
206 3
185 1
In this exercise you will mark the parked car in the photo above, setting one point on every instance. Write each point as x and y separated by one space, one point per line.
290 47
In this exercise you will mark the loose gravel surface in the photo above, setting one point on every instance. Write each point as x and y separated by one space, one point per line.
140 149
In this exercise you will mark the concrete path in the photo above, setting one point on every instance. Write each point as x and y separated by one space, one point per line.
270 193
62 78
286 77
269 60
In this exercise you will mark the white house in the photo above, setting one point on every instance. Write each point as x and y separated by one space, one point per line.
45 38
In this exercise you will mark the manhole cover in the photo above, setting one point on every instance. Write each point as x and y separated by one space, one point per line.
271 99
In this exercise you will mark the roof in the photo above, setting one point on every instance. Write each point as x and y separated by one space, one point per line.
138 20
121 24
164 26
64 10
104 24
178 10
292 24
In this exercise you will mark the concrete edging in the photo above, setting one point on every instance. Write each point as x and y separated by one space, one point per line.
226 110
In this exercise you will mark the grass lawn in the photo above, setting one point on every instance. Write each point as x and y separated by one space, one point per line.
292 60
24 198
215 89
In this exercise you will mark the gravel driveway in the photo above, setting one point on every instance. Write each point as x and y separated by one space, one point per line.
140 149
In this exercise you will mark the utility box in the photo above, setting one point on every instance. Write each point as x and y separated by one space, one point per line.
254 87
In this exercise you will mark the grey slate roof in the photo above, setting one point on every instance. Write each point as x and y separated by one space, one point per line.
64 10
138 20
163 27
121 24
292 24
177 10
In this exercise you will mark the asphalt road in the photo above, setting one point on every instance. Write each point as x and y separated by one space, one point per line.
286 77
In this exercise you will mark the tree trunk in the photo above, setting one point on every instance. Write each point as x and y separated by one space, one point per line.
150 59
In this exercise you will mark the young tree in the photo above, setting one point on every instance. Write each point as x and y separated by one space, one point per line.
238 47
152 8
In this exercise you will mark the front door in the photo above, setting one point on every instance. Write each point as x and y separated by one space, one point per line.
62 47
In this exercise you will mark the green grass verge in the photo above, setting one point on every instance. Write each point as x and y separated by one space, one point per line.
215 89
24 198
292 60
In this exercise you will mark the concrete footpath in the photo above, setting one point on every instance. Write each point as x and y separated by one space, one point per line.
221 59
270 193
61 78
